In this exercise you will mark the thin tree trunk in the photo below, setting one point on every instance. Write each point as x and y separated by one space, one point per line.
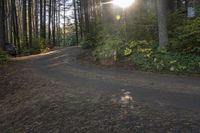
54 26
2 25
44 22
16 27
80 19
6 21
11 23
24 23
30 22
162 23
64 20
36 18
76 22
49 26
41 18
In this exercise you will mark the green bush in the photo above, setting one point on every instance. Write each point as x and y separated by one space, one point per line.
173 62
43 43
109 49
30 51
147 56
89 41
69 40
3 57
38 46
185 35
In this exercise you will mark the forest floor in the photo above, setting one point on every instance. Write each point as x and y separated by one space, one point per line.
56 93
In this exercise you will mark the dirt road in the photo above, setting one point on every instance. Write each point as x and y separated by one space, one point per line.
55 93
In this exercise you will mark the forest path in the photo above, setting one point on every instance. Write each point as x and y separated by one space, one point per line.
54 93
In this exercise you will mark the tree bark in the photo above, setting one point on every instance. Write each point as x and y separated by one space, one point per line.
86 14
41 19
162 23
53 23
76 21
30 22
24 23
49 25
2 25
36 18
44 22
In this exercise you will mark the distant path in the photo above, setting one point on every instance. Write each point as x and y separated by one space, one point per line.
55 93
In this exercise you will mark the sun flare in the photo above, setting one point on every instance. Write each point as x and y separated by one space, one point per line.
123 3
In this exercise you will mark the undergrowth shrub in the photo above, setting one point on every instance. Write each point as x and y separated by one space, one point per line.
185 34
3 57
69 40
38 46
89 41
109 49
147 56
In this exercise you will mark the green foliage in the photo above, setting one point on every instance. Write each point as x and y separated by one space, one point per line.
23 41
43 43
181 56
147 57
173 62
89 41
110 49
39 45
3 57
69 40
185 35
29 51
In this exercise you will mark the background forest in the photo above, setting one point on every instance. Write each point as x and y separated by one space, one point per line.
113 33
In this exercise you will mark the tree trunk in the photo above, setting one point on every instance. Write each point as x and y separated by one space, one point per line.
86 14
16 27
36 18
41 19
6 21
54 25
30 22
80 17
2 25
76 21
49 26
64 21
162 23
24 23
44 22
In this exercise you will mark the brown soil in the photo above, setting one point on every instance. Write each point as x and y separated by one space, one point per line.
56 93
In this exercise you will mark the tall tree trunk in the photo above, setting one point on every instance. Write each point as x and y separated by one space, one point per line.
49 25
162 23
80 17
24 23
36 18
6 21
76 21
30 22
64 32
59 14
2 25
44 22
54 19
16 27
41 19
86 14
11 22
